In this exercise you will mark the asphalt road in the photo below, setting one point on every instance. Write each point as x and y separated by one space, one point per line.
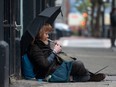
95 58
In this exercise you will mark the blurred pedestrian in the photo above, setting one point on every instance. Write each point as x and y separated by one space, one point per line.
113 26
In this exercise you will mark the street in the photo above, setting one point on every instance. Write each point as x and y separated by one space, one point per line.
95 53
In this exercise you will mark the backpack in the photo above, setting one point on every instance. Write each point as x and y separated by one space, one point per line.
27 68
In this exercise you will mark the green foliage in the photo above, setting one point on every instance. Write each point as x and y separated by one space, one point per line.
83 5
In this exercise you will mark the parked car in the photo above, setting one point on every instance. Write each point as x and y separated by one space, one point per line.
62 30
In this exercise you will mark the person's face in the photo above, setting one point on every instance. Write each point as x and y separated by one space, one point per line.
45 36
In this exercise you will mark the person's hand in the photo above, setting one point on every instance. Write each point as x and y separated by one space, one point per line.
57 47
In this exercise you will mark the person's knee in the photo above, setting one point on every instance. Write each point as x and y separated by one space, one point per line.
78 66
78 63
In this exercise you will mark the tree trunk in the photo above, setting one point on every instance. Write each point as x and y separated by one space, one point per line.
97 23
92 19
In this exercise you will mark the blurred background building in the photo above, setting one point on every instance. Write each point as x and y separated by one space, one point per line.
88 17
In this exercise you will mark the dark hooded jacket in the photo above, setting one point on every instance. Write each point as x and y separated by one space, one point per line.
38 54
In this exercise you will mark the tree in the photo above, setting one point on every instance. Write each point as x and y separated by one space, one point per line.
95 20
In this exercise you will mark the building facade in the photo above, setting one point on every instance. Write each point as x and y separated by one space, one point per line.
15 16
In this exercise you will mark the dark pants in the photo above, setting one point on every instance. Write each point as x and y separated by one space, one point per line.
113 36
79 72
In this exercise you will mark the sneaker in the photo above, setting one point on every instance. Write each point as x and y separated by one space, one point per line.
97 77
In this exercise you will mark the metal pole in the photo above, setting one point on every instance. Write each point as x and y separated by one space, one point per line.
21 17
17 58
4 64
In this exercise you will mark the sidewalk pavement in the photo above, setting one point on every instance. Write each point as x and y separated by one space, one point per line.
110 81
